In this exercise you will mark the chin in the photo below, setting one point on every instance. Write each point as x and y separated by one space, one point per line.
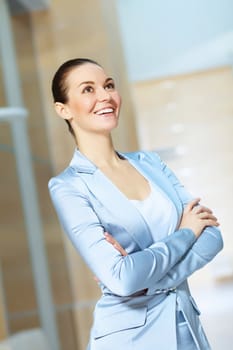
111 123
109 128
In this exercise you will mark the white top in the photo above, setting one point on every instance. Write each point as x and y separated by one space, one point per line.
159 212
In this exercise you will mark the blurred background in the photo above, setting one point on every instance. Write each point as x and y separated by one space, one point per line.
173 62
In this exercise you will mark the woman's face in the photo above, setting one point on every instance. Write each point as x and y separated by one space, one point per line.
93 102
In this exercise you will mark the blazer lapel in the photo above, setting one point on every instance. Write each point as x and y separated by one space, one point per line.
113 200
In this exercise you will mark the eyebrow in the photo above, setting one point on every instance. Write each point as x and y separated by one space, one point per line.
92 82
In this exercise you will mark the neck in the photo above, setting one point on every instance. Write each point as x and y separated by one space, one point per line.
99 150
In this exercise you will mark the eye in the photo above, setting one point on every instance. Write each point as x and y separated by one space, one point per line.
110 86
88 89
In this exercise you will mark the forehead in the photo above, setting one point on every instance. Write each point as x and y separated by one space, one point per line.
86 72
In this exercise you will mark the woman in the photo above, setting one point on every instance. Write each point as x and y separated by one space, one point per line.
131 220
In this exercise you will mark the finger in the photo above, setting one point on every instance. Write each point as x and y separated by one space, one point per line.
210 222
192 204
201 208
119 248
208 216
109 238
115 244
107 234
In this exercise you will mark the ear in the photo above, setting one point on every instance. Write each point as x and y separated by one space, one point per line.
62 110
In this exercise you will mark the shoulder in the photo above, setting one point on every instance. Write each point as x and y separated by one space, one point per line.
65 181
60 178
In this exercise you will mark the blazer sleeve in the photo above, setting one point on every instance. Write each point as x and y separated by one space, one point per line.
204 249
121 275
202 252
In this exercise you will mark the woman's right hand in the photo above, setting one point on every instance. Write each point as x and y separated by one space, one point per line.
196 217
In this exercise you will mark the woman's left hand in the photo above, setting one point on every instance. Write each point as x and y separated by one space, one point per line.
116 245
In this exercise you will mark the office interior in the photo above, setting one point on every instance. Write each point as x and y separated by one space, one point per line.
173 63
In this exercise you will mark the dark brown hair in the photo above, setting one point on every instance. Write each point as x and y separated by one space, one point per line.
59 87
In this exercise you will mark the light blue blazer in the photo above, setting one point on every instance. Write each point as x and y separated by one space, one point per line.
138 307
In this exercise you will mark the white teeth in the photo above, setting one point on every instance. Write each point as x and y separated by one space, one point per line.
104 111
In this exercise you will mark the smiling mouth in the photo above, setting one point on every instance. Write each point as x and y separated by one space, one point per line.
105 111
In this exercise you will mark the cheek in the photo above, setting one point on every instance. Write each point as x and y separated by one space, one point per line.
83 106
117 99
88 104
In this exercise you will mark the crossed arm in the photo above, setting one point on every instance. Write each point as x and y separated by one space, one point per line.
206 246
201 221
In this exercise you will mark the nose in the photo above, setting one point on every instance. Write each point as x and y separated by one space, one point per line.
103 95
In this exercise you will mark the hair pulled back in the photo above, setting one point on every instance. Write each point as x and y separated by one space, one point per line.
59 86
